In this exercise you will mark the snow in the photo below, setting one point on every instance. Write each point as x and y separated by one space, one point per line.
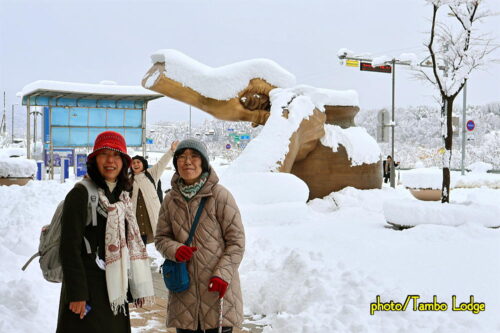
12 152
17 167
430 212
381 60
360 146
432 178
287 188
345 52
424 178
86 88
269 148
308 267
480 167
221 83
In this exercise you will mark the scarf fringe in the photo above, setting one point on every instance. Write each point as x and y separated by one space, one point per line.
118 306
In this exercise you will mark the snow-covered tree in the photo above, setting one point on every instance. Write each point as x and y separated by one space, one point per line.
455 51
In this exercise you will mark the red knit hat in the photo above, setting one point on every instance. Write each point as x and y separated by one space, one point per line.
110 140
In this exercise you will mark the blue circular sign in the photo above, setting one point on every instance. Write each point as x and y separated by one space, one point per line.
470 125
228 146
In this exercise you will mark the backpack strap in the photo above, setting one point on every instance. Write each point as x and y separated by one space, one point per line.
150 177
93 200
196 220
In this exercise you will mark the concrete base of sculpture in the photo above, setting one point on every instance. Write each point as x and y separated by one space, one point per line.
15 181
325 171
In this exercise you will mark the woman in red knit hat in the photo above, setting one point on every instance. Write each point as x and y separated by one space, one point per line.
97 287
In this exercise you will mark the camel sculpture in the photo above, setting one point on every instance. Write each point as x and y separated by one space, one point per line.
320 167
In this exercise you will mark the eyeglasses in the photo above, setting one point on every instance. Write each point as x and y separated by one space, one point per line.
183 158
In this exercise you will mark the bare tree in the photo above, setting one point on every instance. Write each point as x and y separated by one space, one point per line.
455 51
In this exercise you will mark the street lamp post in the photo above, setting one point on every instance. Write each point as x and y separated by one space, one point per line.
12 128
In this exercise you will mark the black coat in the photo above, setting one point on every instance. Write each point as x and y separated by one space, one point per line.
83 279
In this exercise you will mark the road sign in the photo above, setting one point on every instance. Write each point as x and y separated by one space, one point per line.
228 146
58 155
366 66
149 141
81 165
471 125
352 63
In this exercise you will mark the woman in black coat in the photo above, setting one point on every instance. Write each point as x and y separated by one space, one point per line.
96 287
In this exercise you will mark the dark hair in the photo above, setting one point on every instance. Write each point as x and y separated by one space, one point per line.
144 161
389 156
204 162
123 182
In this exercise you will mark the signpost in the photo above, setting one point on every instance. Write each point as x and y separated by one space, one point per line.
228 146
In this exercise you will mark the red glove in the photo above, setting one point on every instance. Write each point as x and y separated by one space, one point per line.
217 284
184 253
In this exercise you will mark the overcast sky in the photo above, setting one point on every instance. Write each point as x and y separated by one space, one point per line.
90 41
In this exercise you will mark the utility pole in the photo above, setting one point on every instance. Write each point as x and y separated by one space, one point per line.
190 121
3 126
393 123
12 128
464 109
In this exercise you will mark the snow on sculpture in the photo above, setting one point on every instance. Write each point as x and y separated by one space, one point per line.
308 132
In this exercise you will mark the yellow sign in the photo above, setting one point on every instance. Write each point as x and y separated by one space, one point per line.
441 150
352 63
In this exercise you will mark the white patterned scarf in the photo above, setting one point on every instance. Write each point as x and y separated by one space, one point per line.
125 255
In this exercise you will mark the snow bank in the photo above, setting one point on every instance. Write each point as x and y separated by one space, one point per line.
414 212
273 187
480 167
28 303
360 146
12 152
424 178
305 268
99 89
221 83
17 167
471 180
432 178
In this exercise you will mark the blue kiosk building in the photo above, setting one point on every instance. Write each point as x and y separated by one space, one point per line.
75 113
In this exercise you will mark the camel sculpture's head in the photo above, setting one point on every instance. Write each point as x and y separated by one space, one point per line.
252 104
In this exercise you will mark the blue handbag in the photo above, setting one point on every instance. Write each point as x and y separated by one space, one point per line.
175 274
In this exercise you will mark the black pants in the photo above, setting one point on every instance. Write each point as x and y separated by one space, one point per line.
387 176
212 330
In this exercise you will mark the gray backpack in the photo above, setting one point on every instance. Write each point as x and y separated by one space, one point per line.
50 237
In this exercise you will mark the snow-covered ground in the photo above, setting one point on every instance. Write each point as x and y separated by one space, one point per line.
308 267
